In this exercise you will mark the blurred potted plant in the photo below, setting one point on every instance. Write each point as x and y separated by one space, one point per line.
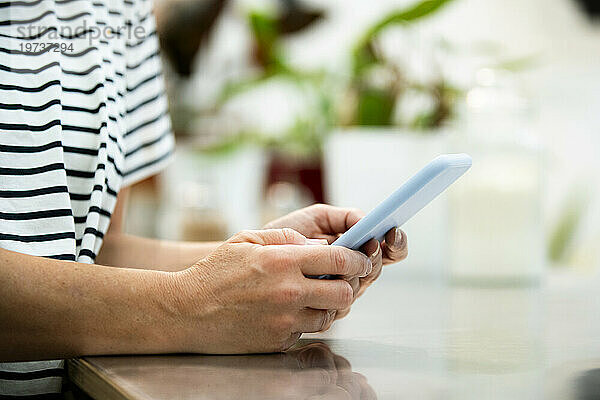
215 146
392 121
298 97
380 83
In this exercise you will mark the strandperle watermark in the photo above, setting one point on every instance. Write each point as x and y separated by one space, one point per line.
63 37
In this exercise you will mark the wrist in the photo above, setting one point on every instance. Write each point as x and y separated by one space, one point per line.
129 315
179 301
164 298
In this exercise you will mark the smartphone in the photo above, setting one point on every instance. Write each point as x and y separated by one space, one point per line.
407 200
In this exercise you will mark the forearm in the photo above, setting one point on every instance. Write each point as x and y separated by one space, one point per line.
57 309
122 250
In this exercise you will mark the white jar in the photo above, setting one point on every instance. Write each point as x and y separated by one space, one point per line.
495 215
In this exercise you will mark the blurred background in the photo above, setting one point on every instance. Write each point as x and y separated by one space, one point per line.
280 104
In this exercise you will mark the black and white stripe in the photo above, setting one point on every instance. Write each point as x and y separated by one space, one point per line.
38 379
75 127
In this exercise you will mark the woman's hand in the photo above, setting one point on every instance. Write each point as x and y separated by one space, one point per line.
322 221
251 295
310 371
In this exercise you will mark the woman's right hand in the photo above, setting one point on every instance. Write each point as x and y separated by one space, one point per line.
251 295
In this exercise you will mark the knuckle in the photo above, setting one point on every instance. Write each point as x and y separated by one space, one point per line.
243 236
246 233
338 260
290 294
275 260
289 234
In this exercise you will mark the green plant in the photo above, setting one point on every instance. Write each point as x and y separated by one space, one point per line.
305 134
266 43
375 104
371 104
563 234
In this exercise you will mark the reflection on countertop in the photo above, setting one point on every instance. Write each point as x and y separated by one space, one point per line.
405 339
308 370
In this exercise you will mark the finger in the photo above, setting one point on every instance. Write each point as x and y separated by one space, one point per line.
332 260
292 340
310 382
328 294
315 355
269 237
325 237
333 220
341 363
373 250
355 284
311 320
346 378
332 393
316 242
330 321
304 382
367 392
395 247
330 238
342 313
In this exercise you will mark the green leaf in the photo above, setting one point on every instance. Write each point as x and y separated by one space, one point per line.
424 121
375 107
265 31
264 28
363 54
564 231
364 57
300 78
416 12
231 143
518 64
233 89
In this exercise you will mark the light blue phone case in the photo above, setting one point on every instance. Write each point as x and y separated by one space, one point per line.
409 199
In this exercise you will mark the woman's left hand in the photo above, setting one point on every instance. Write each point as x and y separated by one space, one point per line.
322 221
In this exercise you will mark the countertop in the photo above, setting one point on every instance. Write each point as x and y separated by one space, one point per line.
404 339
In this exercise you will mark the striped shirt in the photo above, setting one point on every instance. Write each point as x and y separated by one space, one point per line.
83 113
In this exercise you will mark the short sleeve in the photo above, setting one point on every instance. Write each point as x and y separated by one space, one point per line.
148 139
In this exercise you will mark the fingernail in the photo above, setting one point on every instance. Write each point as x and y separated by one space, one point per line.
369 268
399 238
375 254
331 315
314 242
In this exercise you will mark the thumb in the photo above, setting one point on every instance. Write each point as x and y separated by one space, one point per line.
270 237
